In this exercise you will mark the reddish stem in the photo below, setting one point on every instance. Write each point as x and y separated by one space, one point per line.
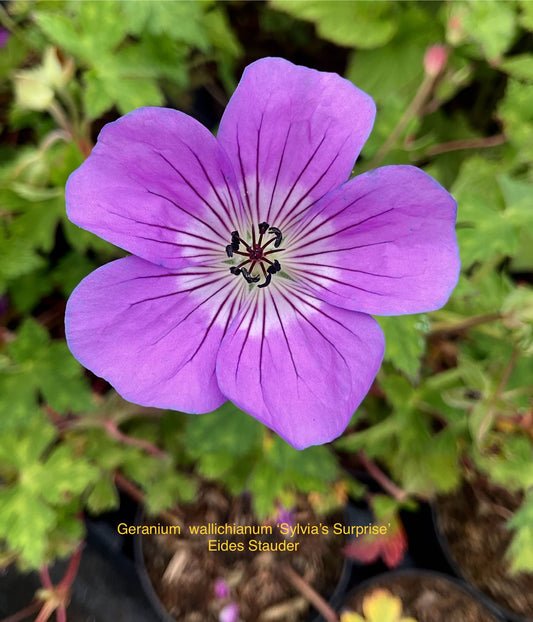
23 613
113 430
310 593
387 484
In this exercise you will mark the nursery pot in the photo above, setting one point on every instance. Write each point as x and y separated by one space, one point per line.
457 538
205 587
426 595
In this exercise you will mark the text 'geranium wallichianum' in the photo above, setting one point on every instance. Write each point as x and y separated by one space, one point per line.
256 263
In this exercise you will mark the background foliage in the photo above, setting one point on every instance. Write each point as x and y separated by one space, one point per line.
454 394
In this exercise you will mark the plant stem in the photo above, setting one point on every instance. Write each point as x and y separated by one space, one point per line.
23 613
410 113
446 329
387 484
466 143
138 495
309 593
487 419
113 430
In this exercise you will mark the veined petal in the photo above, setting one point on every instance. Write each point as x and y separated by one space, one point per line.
384 243
158 185
292 134
299 365
153 333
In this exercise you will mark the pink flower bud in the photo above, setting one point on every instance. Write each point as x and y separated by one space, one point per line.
435 59
229 613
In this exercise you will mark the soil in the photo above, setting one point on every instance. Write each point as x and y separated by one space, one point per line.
183 571
427 597
473 521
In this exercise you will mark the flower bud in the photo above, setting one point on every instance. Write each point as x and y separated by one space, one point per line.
435 59
34 88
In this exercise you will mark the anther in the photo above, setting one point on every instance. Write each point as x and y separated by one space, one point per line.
278 235
235 270
248 277
229 250
263 227
235 240
267 279
275 267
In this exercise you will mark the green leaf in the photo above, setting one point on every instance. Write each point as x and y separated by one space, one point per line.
519 66
405 342
490 23
352 24
50 369
226 430
520 552
103 496
25 521
183 21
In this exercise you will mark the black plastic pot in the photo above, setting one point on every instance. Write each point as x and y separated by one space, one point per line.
388 578
503 612
334 599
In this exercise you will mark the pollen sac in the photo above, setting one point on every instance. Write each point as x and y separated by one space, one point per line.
235 240
277 233
235 270
275 267
249 278
267 280
263 227
229 250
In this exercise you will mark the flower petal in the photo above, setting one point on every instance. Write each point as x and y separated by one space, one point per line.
297 364
384 243
292 134
158 185
153 334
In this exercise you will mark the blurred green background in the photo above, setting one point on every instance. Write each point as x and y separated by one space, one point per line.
454 394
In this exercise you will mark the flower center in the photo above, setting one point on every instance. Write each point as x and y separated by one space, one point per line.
255 254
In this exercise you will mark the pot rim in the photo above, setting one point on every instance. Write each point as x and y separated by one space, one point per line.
457 582
489 602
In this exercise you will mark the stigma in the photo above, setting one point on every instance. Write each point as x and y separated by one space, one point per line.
257 262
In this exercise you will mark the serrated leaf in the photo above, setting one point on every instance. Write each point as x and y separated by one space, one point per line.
519 66
349 23
491 24
226 430
103 496
405 342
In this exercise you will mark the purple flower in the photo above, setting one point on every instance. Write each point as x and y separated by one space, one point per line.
229 613
256 263
222 589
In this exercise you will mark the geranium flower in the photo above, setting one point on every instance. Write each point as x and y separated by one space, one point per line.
256 263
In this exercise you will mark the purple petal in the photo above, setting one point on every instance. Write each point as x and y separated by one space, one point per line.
297 364
384 243
292 134
154 334
158 185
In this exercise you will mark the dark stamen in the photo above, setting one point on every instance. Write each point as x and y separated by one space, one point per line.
249 278
275 267
267 280
278 235
255 253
